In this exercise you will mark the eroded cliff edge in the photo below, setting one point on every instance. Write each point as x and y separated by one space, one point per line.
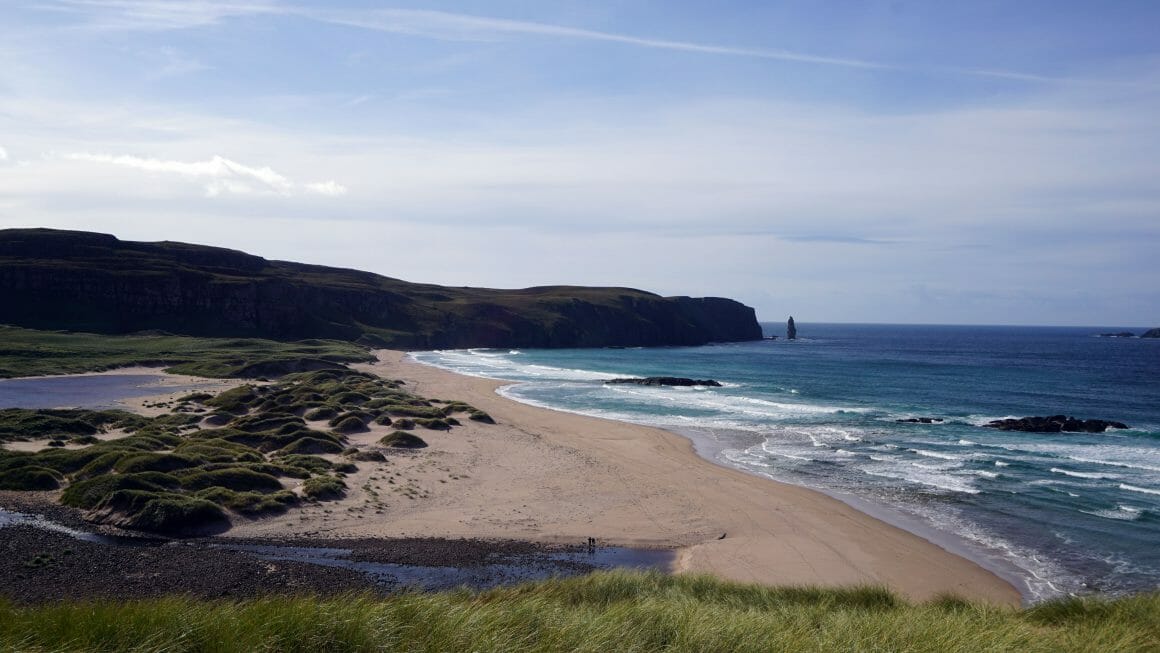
51 279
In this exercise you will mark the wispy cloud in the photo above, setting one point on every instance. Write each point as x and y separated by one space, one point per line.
464 27
221 175
174 63
3 153
451 26
331 188
151 15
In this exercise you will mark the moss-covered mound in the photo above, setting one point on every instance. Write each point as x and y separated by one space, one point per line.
170 475
402 440
324 487
26 424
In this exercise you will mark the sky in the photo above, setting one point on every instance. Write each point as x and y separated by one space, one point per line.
978 162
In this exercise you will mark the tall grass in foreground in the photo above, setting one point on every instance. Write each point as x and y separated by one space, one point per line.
614 611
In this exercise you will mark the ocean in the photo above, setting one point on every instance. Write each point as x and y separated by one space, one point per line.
1058 514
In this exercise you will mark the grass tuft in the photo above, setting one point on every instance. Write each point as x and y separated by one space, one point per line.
607 611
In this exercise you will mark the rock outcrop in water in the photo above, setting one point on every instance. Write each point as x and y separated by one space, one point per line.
666 380
1055 424
920 420
1120 334
79 281
790 330
1151 333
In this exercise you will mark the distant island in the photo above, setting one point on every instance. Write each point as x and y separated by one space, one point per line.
81 281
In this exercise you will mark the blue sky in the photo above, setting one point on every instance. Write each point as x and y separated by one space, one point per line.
982 162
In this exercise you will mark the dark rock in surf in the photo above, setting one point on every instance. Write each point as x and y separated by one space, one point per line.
1151 333
665 380
790 330
1121 334
920 420
1055 424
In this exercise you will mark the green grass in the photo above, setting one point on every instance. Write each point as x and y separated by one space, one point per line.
27 352
26 424
613 611
168 473
402 440
324 487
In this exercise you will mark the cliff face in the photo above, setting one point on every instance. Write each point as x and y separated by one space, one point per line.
93 282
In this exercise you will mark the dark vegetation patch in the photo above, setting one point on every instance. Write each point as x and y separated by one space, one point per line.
369 456
26 424
480 416
321 413
324 487
167 475
402 440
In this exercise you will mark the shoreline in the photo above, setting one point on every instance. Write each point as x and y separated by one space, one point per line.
644 486
552 477
707 446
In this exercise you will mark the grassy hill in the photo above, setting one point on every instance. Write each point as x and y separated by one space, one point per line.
80 281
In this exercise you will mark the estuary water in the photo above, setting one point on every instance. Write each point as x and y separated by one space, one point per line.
1057 513
94 391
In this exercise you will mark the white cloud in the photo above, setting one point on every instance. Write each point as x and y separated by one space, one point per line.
331 188
3 153
161 14
443 25
222 176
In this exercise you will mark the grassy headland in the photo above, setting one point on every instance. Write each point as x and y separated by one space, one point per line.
601 612
80 281
28 352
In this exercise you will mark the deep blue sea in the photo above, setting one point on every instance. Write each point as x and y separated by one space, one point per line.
1057 513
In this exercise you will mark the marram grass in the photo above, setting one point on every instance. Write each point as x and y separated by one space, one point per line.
614 611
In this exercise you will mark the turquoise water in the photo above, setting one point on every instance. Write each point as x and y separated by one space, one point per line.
1059 513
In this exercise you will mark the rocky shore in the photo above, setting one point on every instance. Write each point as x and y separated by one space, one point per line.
40 565
1055 424
665 381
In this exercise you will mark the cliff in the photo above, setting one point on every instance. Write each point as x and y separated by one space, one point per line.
83 281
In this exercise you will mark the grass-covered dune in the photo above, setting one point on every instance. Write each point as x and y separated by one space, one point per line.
613 611
29 352
212 459
79 281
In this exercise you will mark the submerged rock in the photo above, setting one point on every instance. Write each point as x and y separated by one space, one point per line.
666 380
1055 424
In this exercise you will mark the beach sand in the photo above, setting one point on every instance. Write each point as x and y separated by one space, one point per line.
555 477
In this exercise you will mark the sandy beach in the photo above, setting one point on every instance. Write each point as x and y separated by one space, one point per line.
555 477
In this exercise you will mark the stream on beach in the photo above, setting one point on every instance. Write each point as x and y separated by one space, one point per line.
446 564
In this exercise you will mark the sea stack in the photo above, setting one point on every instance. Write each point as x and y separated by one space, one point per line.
790 329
